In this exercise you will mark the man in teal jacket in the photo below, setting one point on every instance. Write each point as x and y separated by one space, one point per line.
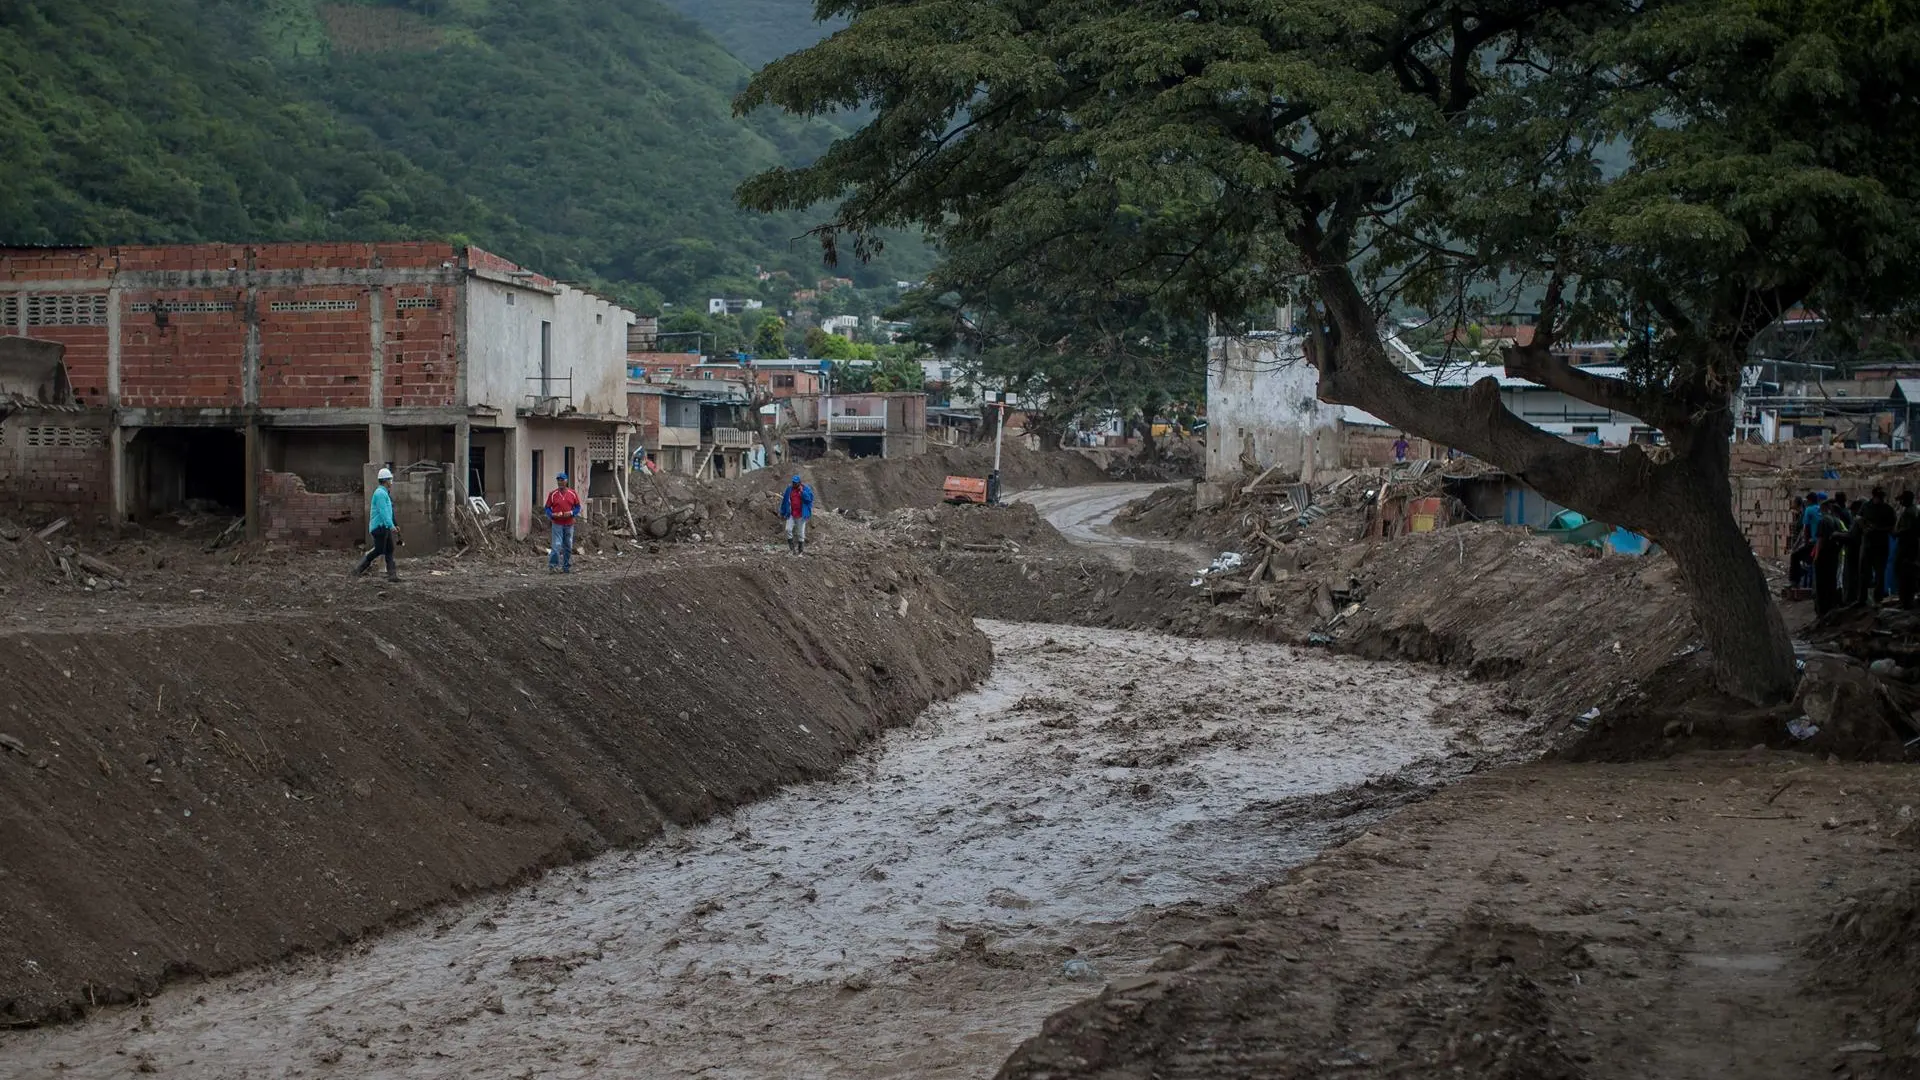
380 525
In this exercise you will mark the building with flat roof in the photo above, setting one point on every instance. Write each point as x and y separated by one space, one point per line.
228 368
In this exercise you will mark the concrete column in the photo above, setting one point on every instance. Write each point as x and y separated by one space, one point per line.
377 378
254 461
513 476
250 372
116 441
462 460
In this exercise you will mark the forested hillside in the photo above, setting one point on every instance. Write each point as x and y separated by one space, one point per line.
593 139
757 31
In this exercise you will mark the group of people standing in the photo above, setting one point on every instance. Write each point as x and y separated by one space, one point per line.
563 510
1857 552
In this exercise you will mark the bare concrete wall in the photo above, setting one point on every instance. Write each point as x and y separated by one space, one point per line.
588 343
1262 405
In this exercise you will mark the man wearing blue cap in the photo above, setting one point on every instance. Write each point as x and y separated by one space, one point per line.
796 506
563 508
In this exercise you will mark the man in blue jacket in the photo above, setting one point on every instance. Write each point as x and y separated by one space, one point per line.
380 526
796 506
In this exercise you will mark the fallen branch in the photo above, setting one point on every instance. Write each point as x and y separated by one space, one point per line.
101 567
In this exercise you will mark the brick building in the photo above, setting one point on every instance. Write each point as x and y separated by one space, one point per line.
273 378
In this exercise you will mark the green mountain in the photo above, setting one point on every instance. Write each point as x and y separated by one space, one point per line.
757 31
592 139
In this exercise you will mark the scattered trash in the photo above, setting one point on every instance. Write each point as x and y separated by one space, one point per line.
1080 971
1586 719
1803 729
1226 562
1320 638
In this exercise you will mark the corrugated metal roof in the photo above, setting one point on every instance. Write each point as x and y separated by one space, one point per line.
1908 389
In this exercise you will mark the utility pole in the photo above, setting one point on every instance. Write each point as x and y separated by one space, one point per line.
1000 400
826 403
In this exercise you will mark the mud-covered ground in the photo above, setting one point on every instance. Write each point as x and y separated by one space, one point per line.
1136 817
1741 915
915 917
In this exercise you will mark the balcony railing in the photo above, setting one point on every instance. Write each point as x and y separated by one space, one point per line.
853 423
733 437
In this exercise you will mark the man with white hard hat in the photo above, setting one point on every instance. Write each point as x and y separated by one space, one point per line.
380 525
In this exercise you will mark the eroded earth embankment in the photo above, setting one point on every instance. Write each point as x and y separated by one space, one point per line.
192 792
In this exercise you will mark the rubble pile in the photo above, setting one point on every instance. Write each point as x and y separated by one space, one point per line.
36 559
1012 528
1175 459
1256 509
879 485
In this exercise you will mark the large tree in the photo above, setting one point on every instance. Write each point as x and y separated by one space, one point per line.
1356 153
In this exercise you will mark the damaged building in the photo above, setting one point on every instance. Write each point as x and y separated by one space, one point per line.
53 450
271 380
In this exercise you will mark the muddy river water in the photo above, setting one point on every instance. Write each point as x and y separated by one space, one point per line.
917 916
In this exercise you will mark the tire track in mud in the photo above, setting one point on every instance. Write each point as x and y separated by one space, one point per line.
916 916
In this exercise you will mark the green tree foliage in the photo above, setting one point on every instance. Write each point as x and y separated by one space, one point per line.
770 338
1072 357
593 140
1214 157
833 347
879 369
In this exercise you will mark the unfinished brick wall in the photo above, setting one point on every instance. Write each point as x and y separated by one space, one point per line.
295 515
421 360
1763 502
86 355
55 264
184 345
55 461
375 256
479 259
183 348
316 347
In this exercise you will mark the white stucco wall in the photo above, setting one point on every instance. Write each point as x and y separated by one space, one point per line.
1261 402
503 346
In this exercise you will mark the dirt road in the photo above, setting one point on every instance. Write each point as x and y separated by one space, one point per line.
1085 515
916 917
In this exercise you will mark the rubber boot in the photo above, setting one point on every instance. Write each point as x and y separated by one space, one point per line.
802 545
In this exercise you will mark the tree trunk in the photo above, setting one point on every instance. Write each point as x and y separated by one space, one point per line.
1743 628
1684 503
1752 654
1149 450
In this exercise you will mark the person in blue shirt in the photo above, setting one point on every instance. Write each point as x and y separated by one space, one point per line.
1806 533
380 525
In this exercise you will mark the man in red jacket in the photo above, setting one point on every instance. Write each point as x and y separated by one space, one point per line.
563 509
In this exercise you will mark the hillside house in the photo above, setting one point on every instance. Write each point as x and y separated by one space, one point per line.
858 425
696 428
